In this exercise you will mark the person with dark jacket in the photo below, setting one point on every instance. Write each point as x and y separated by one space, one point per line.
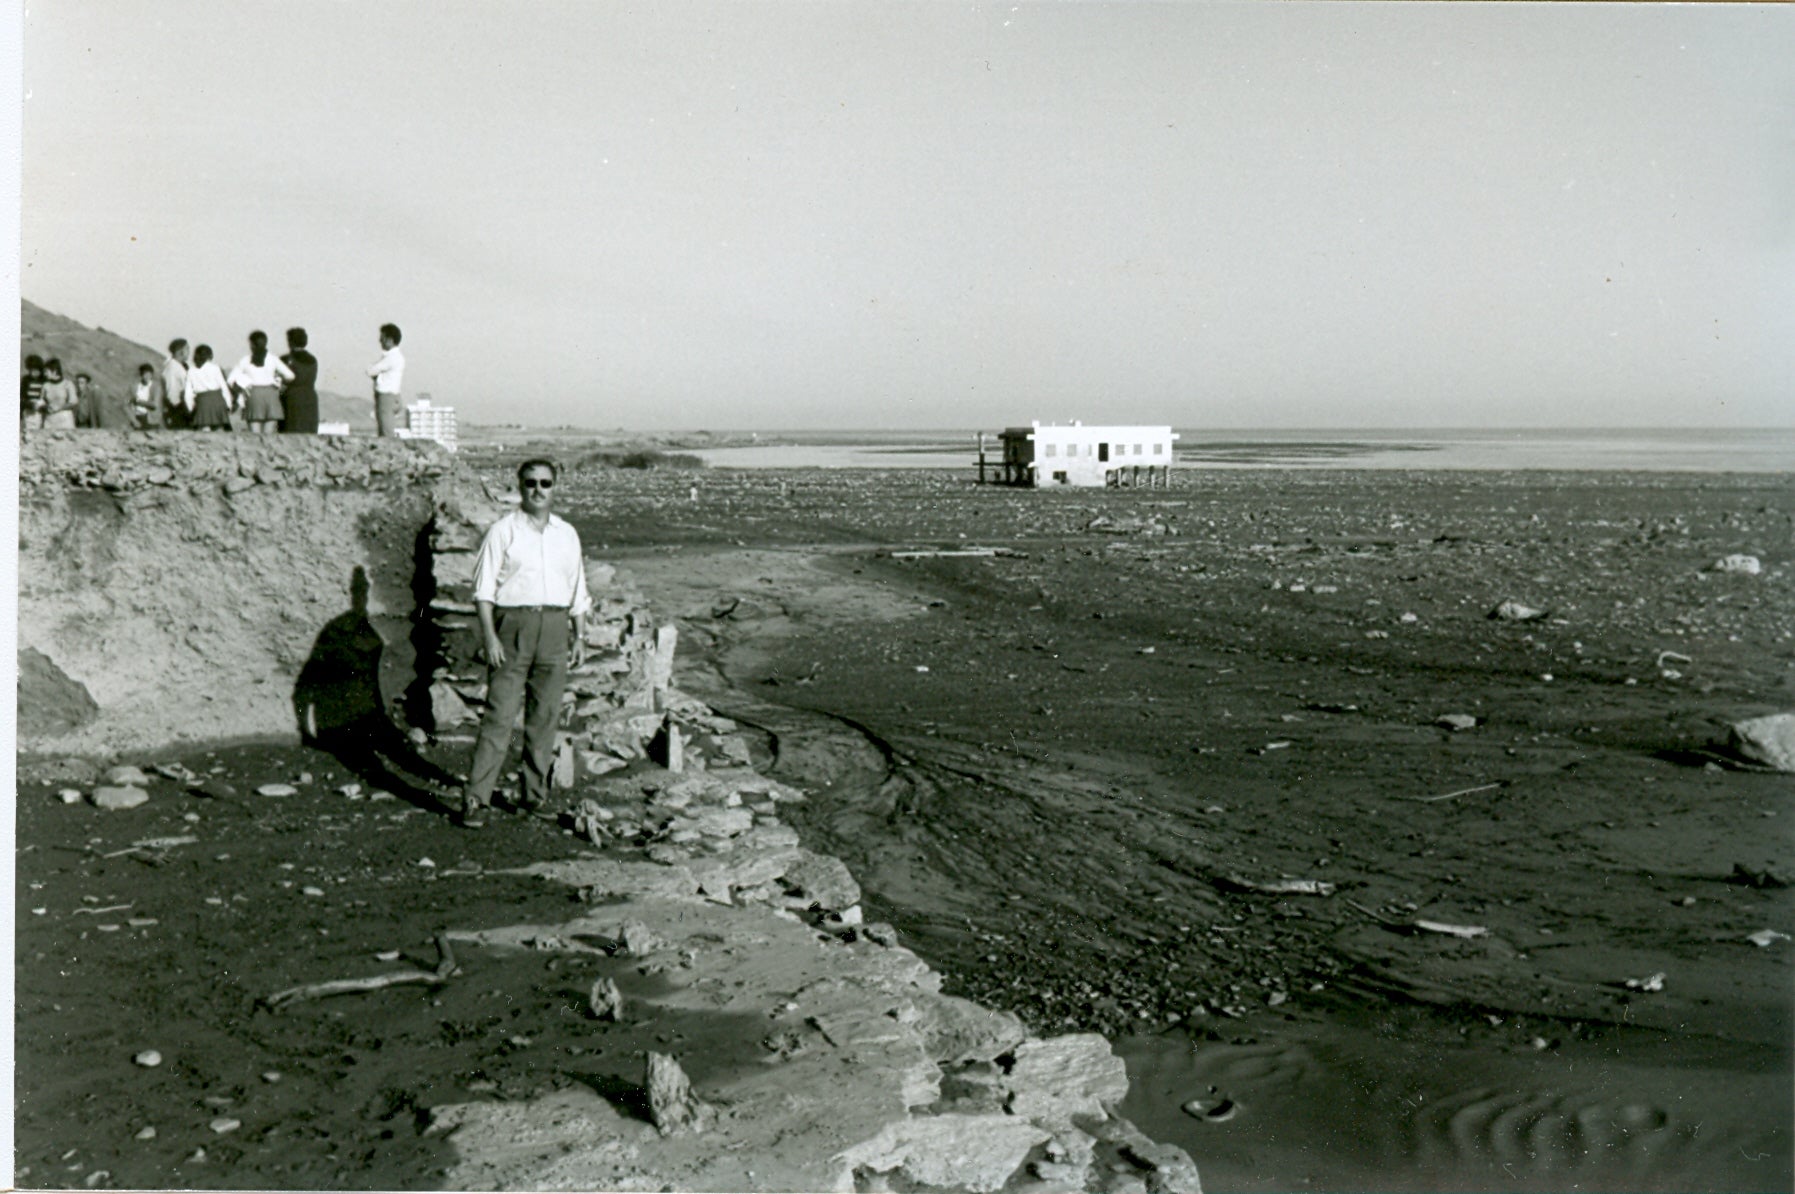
300 398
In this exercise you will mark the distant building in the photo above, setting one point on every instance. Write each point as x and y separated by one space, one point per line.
1073 454
426 421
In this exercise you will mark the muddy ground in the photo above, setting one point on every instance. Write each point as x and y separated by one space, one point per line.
1061 771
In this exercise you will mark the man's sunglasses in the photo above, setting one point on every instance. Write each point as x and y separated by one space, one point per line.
537 483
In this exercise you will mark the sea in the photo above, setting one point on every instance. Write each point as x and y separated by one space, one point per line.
1760 450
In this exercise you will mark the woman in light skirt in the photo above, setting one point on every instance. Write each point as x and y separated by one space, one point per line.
257 379
207 394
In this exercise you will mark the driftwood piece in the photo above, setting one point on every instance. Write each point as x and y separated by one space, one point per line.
348 986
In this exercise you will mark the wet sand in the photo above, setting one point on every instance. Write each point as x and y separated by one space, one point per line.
1062 770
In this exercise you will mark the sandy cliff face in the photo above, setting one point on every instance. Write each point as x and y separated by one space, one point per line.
184 582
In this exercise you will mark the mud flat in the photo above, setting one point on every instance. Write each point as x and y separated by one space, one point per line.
270 962
1392 892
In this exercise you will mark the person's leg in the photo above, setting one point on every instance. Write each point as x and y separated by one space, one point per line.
386 413
504 697
542 708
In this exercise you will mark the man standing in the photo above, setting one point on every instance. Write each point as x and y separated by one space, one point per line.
389 379
530 590
174 386
31 395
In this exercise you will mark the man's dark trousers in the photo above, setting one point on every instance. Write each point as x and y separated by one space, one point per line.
533 677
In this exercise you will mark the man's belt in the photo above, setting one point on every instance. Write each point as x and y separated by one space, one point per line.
535 609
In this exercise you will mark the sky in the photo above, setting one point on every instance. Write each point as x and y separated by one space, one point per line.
770 215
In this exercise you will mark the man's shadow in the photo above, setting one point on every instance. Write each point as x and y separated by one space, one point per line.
337 702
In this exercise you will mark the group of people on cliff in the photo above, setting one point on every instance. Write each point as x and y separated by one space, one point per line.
264 393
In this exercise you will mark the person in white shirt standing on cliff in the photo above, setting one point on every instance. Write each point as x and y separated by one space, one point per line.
389 380
530 590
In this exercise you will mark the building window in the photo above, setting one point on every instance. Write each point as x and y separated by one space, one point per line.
1053 449
1137 450
1159 449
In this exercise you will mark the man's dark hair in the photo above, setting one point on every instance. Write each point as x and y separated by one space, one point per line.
146 368
54 363
553 472
176 345
391 332
296 338
34 362
202 354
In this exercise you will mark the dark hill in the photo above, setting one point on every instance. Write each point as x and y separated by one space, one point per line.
112 360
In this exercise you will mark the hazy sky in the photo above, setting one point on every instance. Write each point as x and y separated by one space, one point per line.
779 215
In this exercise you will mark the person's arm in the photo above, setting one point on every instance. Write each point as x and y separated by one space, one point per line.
577 609
282 370
486 592
495 650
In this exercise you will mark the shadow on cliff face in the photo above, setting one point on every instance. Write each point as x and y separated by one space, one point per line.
337 703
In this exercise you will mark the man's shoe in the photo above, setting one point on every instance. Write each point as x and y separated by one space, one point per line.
468 815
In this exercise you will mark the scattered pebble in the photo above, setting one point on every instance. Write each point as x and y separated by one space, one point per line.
70 795
311 891
1654 982
149 1059
1214 1111
426 862
271 1076
387 955
1764 938
277 790
225 1123
146 1133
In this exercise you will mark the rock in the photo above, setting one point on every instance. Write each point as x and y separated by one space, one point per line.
114 797
956 1031
1514 611
69 795
149 1059
1065 1076
50 701
672 1106
949 1152
562 774
1748 565
822 881
1768 741
225 1123
277 790
145 1133
447 708
214 789
127 775
639 940
605 1001
1456 721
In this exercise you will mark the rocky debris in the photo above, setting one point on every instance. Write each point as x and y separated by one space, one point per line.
132 776
605 1001
1456 721
820 881
949 1152
1767 741
114 797
671 1104
1514 611
277 790
1744 564
1056 1079
149 1059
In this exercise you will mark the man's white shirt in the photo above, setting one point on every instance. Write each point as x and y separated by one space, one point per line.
521 565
